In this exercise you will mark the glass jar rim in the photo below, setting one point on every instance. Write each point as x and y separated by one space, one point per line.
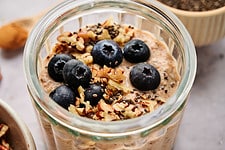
126 127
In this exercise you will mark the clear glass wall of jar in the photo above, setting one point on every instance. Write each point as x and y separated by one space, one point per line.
153 131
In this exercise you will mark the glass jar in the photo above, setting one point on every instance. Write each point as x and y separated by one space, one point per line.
153 131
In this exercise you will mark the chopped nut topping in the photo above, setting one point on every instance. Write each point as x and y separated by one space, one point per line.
120 100
73 40
111 73
3 144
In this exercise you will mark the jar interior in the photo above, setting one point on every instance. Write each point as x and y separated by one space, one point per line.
149 18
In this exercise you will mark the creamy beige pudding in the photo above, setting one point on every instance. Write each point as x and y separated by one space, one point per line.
120 99
112 85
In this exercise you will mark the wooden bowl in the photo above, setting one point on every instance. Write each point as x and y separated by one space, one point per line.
18 135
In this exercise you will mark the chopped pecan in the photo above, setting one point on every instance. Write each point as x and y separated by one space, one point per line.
83 34
105 35
92 35
108 22
87 58
116 74
72 39
119 86
3 144
105 107
3 129
125 35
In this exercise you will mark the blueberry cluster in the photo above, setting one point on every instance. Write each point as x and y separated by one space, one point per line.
143 76
74 73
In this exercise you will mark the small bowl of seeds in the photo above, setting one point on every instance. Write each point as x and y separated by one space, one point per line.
204 19
14 134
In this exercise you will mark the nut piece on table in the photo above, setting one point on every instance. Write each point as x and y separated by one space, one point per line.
0 75
12 37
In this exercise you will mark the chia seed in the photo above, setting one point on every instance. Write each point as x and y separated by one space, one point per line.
195 5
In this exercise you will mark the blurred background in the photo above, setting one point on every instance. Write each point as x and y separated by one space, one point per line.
203 124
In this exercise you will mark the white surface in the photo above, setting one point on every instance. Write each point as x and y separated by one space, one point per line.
203 125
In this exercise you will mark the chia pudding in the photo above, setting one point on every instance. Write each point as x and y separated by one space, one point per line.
98 73
112 88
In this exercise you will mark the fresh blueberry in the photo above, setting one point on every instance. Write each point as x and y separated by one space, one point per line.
76 73
56 64
136 51
144 77
107 52
93 94
63 95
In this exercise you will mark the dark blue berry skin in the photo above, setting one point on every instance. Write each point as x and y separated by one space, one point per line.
56 64
63 95
107 52
76 73
136 51
144 77
93 94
